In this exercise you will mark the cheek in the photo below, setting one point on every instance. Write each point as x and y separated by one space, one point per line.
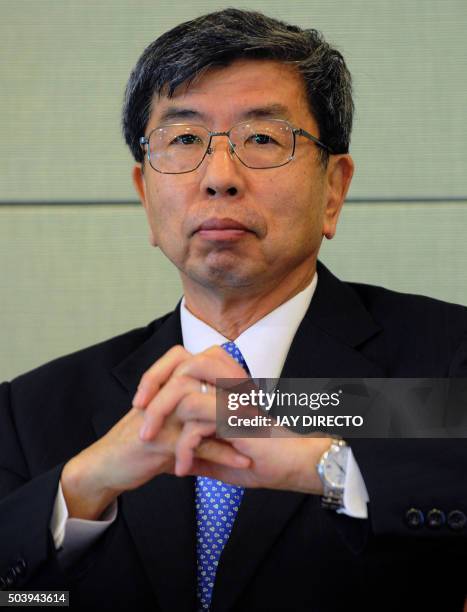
168 217
154 216
294 205
162 207
297 218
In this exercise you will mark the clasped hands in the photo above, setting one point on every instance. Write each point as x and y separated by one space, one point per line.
172 390
171 429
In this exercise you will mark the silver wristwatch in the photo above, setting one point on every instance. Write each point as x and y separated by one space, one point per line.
331 469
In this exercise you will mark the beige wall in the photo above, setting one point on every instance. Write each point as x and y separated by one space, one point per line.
73 275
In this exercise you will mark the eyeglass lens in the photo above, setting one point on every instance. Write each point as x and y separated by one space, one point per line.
258 144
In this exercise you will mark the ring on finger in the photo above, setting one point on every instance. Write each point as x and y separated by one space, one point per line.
204 387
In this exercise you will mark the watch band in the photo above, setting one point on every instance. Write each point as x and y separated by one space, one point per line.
332 500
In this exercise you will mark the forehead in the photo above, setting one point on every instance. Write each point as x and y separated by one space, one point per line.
239 91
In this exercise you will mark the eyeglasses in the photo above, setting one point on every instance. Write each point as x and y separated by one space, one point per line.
258 144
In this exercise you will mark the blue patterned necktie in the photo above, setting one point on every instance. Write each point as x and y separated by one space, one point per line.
217 505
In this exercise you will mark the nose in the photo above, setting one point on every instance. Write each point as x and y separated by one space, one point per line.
222 175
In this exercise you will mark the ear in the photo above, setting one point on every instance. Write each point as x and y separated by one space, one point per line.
140 186
338 176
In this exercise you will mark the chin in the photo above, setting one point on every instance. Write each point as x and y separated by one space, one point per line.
222 277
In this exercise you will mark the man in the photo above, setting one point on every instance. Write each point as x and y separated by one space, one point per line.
240 128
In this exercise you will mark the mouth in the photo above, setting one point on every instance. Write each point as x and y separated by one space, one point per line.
224 229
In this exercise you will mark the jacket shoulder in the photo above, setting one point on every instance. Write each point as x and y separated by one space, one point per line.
386 305
420 335
101 356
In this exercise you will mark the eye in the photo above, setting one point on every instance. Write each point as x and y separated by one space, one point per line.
261 140
186 139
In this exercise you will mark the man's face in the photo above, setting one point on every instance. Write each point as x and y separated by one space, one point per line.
284 211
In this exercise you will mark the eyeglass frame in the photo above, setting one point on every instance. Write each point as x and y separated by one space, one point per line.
144 141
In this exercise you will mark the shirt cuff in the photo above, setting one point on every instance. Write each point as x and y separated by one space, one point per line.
71 536
355 493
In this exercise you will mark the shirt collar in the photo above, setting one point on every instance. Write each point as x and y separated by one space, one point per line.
265 344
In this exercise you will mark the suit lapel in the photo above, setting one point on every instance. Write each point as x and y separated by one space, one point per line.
167 335
160 515
324 346
328 341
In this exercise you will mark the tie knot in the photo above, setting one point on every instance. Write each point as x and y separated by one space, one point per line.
233 350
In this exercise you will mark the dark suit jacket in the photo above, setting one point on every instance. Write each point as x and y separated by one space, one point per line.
285 552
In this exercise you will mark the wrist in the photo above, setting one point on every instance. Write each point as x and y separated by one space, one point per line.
332 469
305 477
85 496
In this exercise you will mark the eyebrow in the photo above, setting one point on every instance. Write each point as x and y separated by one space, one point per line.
181 113
270 111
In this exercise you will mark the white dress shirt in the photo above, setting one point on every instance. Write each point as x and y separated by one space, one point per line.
264 346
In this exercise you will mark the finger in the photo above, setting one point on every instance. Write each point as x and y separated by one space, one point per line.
190 439
234 476
210 469
198 406
158 374
210 365
165 402
221 453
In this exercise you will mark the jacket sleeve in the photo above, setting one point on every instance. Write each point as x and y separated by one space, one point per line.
417 487
27 552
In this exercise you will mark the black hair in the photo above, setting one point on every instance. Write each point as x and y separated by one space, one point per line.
216 40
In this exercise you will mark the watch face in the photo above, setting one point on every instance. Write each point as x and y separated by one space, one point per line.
334 469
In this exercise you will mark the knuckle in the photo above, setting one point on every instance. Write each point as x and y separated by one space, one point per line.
186 407
178 350
208 447
179 383
215 350
146 378
203 360
182 380
192 406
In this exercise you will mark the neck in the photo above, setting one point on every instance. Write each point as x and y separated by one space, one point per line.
231 311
